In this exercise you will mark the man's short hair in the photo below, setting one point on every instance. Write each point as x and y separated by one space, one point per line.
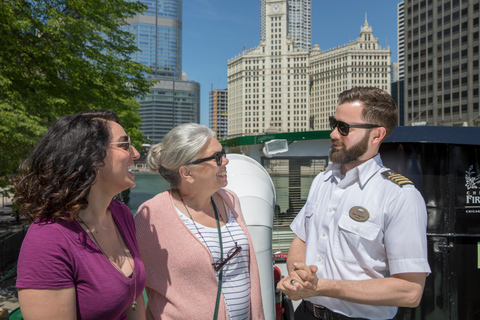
378 106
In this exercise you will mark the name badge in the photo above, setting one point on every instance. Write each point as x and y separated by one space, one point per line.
359 214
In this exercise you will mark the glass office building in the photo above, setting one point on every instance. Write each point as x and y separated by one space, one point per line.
173 100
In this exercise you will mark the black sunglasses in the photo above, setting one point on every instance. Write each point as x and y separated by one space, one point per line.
231 254
344 128
217 156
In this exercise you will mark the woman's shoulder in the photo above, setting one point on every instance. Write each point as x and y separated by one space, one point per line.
157 203
51 237
52 227
159 198
232 201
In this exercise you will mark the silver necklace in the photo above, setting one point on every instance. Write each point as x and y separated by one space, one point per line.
134 294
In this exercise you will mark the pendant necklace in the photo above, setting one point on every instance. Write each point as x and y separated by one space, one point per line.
134 294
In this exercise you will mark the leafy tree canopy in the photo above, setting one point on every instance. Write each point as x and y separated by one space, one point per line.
61 57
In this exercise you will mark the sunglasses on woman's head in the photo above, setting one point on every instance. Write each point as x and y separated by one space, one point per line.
344 128
217 156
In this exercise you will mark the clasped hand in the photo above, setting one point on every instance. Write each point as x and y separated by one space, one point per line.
301 283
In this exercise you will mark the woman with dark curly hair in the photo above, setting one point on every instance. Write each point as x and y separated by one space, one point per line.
79 259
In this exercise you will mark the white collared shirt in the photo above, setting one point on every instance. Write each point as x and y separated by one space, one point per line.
362 226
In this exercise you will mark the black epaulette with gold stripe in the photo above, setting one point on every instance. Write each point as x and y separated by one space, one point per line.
396 178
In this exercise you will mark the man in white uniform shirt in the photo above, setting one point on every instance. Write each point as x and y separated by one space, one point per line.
360 247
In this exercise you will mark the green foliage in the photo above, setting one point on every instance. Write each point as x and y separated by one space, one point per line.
61 57
18 133
130 120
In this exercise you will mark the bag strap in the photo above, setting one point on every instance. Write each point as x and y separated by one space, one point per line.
219 290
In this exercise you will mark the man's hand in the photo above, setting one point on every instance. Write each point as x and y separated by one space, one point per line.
301 283
307 274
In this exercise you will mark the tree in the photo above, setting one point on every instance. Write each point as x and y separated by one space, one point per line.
60 57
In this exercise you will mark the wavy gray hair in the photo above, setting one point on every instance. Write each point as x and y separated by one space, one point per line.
179 147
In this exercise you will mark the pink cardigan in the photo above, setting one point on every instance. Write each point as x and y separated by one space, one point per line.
181 282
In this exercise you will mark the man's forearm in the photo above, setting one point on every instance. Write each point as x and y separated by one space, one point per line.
403 290
296 253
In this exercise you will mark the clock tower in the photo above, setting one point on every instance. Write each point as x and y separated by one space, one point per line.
276 26
268 84
275 8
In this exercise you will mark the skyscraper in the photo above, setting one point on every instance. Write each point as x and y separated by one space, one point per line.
278 87
299 22
217 112
268 85
173 100
400 39
441 69
397 85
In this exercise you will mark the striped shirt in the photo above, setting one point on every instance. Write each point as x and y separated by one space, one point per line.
236 277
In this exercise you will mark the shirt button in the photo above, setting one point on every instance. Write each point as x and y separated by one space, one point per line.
357 229
319 258
330 209
324 234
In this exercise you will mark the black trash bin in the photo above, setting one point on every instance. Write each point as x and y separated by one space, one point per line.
444 165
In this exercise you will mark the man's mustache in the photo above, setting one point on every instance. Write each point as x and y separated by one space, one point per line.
337 142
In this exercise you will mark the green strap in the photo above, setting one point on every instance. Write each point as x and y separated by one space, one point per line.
219 290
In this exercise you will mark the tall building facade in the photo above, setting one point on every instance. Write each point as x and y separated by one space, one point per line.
400 39
441 62
397 86
277 87
268 85
173 100
395 72
299 21
218 112
360 63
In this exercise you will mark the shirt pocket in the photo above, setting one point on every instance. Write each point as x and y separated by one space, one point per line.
309 217
357 241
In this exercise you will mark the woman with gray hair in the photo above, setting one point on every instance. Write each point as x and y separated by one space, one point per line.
197 252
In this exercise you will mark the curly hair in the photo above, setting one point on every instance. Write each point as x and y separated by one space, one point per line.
378 106
55 180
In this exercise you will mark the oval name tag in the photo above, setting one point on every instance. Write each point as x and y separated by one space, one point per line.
359 214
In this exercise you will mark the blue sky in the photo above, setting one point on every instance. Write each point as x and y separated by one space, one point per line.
215 31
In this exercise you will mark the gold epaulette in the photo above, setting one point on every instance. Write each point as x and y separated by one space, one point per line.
396 178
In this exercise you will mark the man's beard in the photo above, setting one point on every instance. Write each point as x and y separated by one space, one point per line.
343 156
